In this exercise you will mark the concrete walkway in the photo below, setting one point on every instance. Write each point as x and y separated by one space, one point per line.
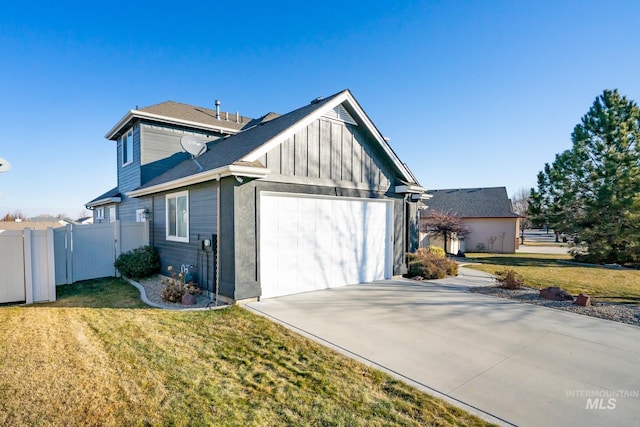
509 362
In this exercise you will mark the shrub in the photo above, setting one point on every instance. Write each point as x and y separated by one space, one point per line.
175 287
139 263
509 279
436 250
427 265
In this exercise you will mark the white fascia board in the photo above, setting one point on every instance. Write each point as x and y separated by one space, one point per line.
164 119
279 138
343 97
406 174
106 201
210 175
409 188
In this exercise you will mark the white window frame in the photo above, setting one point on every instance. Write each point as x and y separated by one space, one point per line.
112 214
126 142
175 237
99 213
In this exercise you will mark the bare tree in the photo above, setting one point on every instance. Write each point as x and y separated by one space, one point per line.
520 205
12 216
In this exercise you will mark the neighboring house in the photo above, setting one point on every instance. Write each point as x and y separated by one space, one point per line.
311 199
487 213
85 220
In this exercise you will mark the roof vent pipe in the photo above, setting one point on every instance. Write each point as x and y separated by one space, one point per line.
217 109
226 116
237 117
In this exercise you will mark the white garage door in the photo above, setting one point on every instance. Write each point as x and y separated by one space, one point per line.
311 243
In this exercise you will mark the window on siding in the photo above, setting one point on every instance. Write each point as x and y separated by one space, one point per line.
99 213
127 147
112 213
178 216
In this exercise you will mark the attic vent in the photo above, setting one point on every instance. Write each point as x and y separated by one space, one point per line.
340 113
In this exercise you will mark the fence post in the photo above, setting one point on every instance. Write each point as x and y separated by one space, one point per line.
68 238
117 244
51 262
28 272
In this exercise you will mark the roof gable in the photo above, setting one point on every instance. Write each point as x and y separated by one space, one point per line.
471 202
260 136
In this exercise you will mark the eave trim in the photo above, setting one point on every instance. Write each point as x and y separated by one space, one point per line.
210 175
137 114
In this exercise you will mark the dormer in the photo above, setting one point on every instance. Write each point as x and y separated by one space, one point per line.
148 139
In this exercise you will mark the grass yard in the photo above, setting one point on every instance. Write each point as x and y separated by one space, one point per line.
543 270
99 357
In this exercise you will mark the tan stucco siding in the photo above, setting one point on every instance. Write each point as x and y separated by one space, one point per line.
495 234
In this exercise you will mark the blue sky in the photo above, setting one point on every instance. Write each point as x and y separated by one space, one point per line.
471 93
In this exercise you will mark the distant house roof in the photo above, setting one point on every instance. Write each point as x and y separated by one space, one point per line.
471 202
111 196
182 114
238 154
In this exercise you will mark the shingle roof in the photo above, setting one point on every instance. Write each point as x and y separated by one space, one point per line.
196 114
114 192
471 202
230 150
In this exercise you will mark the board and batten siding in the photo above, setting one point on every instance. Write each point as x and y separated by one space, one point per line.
202 225
328 149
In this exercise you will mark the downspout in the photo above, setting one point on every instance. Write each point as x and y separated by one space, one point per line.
217 239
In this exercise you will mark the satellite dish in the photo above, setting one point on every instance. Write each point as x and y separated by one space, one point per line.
4 165
193 145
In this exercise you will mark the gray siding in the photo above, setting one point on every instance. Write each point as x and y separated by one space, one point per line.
129 176
202 225
240 257
161 149
330 150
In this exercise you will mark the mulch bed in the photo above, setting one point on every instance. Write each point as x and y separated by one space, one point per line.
624 313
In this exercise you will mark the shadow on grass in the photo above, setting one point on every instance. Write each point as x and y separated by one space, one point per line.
520 261
108 292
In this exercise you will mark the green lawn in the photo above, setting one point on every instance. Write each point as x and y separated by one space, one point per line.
542 270
98 357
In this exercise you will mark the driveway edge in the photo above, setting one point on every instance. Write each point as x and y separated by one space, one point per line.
422 387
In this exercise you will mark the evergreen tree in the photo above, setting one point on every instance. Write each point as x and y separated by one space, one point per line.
592 189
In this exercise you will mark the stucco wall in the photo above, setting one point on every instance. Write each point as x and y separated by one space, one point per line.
495 234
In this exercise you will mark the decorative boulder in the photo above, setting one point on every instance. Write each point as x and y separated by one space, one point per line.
555 294
188 299
583 300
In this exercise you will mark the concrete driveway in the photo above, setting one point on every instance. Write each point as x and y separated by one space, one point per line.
509 362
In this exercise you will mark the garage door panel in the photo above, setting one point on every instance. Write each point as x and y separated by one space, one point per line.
311 243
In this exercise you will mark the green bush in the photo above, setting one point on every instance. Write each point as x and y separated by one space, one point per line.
428 265
139 263
436 250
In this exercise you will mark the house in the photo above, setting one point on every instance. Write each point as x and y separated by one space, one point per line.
486 212
282 204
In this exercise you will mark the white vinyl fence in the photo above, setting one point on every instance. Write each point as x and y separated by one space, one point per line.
33 262
27 266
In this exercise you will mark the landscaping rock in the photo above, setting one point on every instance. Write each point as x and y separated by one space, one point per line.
583 300
188 299
555 294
